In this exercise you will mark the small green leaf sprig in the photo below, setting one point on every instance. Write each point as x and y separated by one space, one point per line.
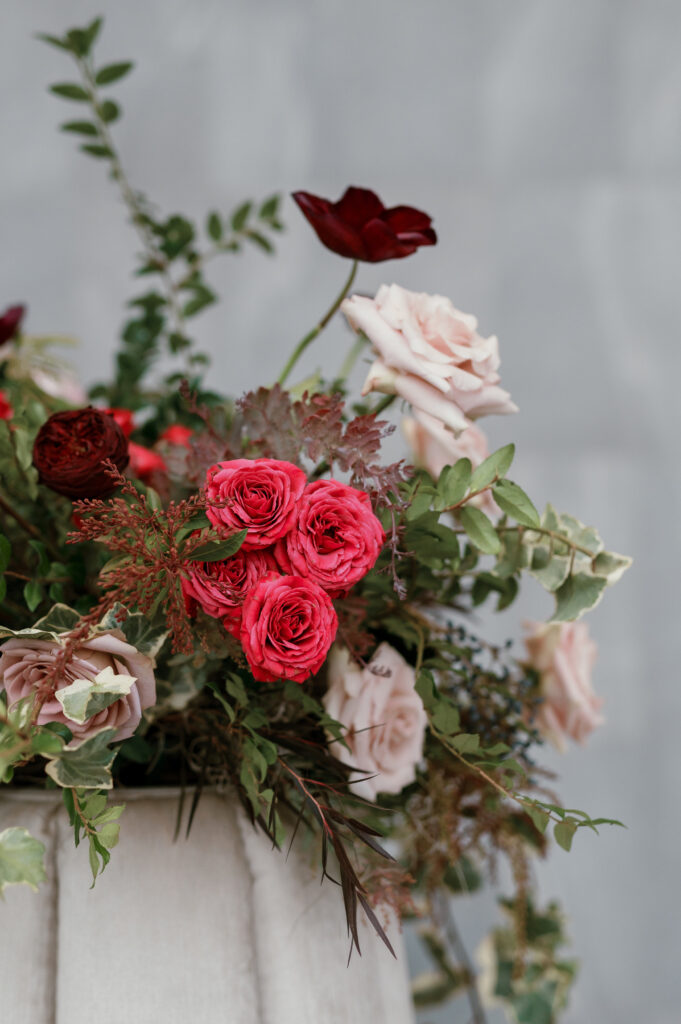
170 245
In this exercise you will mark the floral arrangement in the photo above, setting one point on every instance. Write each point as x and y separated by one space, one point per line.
205 591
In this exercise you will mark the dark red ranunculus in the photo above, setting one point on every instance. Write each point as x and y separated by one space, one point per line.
6 410
287 628
70 450
10 322
359 226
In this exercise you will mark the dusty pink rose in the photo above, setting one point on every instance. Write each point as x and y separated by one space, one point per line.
260 495
563 654
287 627
24 664
336 539
430 354
220 588
435 447
384 718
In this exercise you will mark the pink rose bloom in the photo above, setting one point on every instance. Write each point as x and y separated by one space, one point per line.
144 462
220 588
563 654
429 354
384 718
260 495
435 447
287 627
24 663
178 435
60 382
336 539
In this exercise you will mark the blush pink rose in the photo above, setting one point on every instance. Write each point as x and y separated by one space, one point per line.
435 447
24 664
429 354
336 539
220 588
259 495
563 654
384 718
287 627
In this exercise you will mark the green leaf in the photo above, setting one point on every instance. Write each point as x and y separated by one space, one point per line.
5 552
579 593
33 595
84 698
512 499
445 718
563 832
466 743
59 619
70 91
62 44
260 240
241 215
218 550
109 111
540 818
453 482
112 72
80 128
480 530
214 226
269 207
610 566
494 466
85 765
102 152
21 859
148 639
235 688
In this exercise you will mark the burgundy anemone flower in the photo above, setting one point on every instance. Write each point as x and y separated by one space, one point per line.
10 322
360 227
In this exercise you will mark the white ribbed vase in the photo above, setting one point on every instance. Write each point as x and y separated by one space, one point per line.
216 929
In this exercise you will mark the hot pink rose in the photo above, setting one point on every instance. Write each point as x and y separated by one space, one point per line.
563 654
336 539
144 462
25 662
384 718
430 354
176 434
435 447
6 410
260 495
220 588
287 628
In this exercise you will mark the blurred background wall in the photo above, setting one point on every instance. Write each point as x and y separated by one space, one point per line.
545 140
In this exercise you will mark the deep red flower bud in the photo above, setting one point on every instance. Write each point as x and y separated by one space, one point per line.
10 322
177 434
124 418
6 410
360 227
70 450
144 462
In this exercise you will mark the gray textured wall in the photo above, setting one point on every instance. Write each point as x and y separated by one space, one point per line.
545 139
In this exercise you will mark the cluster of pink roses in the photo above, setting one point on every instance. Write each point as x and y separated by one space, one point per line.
305 544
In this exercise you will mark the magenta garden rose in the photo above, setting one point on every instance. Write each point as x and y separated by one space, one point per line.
429 354
287 628
563 654
336 539
360 227
383 716
258 495
220 588
25 663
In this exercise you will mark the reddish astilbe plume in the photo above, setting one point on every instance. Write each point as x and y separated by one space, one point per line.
157 543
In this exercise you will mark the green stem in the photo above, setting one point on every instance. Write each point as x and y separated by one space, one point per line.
311 335
384 403
350 360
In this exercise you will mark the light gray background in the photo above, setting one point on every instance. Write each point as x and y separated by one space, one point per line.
545 139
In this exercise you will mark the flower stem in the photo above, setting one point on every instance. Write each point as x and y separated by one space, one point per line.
311 335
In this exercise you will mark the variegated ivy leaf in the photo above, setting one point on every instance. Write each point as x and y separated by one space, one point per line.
136 629
85 765
21 859
87 697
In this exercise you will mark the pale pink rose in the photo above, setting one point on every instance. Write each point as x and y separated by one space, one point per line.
383 716
430 354
60 382
435 447
563 654
24 664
